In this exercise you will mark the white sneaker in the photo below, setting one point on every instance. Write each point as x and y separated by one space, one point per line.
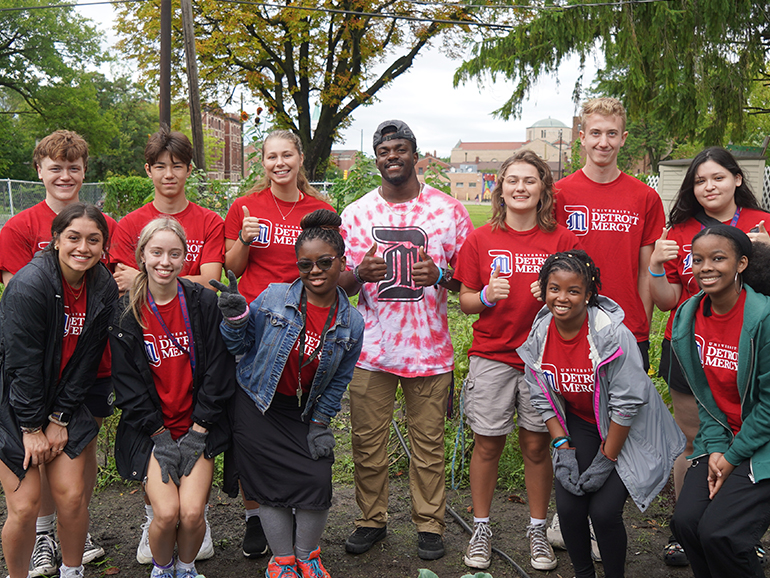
557 540
71 572
541 553
207 546
143 552
595 555
554 534
45 556
479 553
91 551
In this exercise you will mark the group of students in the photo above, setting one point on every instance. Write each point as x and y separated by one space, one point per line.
170 364
259 371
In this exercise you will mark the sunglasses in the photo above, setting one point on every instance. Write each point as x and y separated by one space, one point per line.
324 264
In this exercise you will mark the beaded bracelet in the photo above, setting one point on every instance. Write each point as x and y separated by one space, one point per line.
483 299
656 274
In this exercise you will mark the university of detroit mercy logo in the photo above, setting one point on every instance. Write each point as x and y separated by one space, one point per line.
152 350
549 372
577 219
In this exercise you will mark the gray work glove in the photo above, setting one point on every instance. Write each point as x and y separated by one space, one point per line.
167 453
597 473
231 303
565 468
191 447
320 440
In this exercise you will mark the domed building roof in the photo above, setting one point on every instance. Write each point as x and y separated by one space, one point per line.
549 123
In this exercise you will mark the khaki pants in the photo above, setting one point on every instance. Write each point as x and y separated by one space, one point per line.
372 395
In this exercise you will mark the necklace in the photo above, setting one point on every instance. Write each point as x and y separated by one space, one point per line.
72 289
284 217
392 206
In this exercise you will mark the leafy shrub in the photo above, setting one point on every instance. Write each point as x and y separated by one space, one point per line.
126 194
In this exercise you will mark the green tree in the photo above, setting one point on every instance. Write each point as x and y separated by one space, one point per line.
688 64
435 176
645 137
40 47
293 55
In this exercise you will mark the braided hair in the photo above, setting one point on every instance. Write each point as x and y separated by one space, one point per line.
321 224
575 261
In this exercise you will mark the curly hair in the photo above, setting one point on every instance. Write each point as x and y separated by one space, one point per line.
578 262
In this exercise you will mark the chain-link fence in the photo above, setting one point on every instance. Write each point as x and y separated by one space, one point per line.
20 195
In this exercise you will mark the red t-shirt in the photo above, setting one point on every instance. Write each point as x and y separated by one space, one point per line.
271 255
29 232
519 255
568 368
170 367
613 221
679 270
316 318
74 317
717 338
203 228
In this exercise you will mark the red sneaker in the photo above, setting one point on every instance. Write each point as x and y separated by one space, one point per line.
312 567
282 567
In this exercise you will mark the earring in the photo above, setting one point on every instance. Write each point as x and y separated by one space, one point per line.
735 282
502 202
586 301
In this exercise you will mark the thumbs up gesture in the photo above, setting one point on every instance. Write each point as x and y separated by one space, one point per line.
759 234
425 272
372 269
249 227
498 287
665 250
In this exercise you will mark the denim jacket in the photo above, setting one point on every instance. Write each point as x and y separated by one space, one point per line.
269 336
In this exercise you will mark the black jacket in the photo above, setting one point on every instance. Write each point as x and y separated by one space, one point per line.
135 393
31 330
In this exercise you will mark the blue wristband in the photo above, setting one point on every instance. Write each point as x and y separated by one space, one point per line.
440 276
483 298
656 274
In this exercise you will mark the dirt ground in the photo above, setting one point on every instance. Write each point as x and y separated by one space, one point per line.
117 513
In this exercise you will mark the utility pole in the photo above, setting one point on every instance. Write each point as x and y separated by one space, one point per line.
165 63
199 155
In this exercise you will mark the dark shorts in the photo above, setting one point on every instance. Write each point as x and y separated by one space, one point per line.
644 349
100 399
671 371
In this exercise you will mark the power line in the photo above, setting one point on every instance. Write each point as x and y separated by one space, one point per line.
493 25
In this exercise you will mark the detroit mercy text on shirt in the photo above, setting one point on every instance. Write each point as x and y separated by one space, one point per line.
581 219
159 348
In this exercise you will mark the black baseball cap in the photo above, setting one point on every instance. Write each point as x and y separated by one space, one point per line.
393 129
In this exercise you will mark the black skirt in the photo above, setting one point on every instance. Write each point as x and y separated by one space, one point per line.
271 456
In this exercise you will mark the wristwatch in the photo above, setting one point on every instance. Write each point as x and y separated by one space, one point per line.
444 276
60 418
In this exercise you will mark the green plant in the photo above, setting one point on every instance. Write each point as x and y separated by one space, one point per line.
362 178
126 194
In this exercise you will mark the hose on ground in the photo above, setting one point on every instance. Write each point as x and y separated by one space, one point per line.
463 524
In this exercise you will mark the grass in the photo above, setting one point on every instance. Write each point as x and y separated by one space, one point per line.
479 213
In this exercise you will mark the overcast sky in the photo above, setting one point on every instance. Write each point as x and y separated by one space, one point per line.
439 114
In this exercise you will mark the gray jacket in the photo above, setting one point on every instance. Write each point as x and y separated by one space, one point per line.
622 392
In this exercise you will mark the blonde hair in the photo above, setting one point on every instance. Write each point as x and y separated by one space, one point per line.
302 183
137 295
604 106
545 219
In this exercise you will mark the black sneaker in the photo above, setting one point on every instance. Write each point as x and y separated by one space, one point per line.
254 541
673 554
364 538
430 546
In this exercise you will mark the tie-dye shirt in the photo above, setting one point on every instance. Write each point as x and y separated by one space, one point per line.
407 333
